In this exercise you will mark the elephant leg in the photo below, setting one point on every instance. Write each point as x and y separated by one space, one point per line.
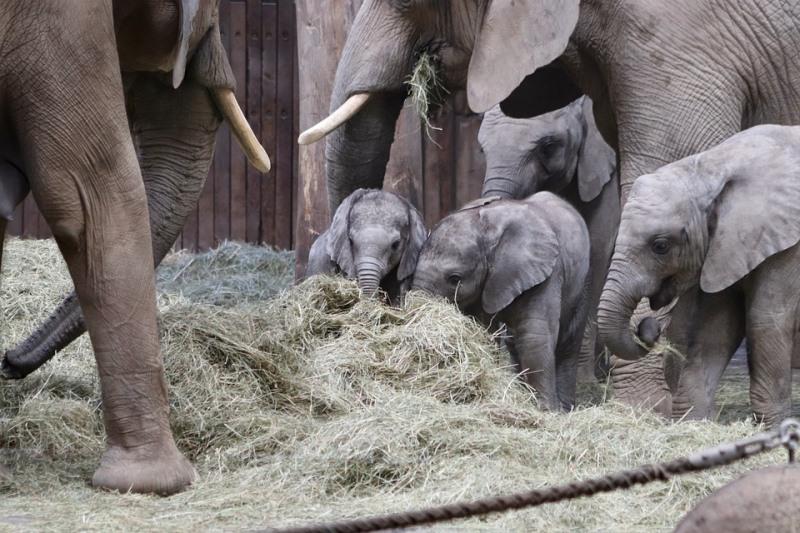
173 130
602 220
770 343
719 331
534 326
70 118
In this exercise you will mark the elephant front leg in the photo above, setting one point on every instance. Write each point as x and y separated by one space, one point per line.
534 330
86 180
719 331
770 343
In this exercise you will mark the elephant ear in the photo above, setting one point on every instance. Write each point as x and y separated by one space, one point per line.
339 234
597 161
417 235
756 211
524 253
516 38
196 18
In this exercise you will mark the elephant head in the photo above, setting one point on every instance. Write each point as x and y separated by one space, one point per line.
178 87
471 40
526 155
373 234
487 254
708 219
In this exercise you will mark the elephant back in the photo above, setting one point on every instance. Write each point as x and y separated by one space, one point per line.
762 500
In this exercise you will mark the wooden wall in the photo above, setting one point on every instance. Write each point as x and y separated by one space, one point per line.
438 173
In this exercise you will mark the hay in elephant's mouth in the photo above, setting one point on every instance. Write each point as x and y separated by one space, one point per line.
426 90
316 404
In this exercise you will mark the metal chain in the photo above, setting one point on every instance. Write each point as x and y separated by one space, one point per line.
787 435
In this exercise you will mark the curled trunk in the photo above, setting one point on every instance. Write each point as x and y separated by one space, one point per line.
614 312
173 131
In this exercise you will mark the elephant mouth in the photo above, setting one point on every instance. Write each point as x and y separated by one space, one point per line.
665 294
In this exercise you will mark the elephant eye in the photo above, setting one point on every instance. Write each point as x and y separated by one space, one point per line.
548 146
396 245
660 245
453 279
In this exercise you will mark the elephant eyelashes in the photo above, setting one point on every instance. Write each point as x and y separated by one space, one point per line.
454 279
661 245
548 147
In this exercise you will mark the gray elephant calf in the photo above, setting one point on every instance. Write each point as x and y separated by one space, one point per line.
375 237
724 223
561 152
526 262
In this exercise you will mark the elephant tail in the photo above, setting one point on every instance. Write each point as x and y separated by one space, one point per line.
62 327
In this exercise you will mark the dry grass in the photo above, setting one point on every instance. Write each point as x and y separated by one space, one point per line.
315 405
426 91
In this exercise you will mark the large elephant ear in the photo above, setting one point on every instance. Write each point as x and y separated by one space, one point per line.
756 211
597 161
524 253
338 245
417 235
196 18
516 38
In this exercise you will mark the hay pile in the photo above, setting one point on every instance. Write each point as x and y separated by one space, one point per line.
316 405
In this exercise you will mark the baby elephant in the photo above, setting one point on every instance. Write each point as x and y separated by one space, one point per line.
526 262
375 237
724 223
561 152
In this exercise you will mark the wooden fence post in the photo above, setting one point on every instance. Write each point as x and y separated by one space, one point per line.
322 28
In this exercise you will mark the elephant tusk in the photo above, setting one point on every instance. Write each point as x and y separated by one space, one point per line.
345 112
226 101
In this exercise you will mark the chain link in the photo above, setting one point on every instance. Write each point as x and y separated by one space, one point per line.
787 435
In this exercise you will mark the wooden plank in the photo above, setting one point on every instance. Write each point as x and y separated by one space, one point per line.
238 162
470 164
222 166
286 139
269 91
404 172
438 163
252 207
322 26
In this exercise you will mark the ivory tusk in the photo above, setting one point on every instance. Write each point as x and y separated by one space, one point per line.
252 148
345 112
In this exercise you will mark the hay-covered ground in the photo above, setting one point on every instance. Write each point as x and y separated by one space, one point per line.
310 405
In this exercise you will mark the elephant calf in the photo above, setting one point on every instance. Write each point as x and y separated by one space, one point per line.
724 224
375 237
561 152
526 262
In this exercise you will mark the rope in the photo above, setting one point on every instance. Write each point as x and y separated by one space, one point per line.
787 435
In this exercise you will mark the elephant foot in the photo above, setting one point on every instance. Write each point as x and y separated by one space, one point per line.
161 470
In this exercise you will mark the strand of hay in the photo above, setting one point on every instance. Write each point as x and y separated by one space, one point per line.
315 404
426 91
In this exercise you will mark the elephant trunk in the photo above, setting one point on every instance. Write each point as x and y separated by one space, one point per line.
369 272
174 132
614 312
358 150
496 185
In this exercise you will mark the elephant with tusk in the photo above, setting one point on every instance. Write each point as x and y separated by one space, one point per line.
178 85
667 80
108 113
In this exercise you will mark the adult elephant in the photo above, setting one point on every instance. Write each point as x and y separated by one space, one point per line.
178 86
64 132
668 79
